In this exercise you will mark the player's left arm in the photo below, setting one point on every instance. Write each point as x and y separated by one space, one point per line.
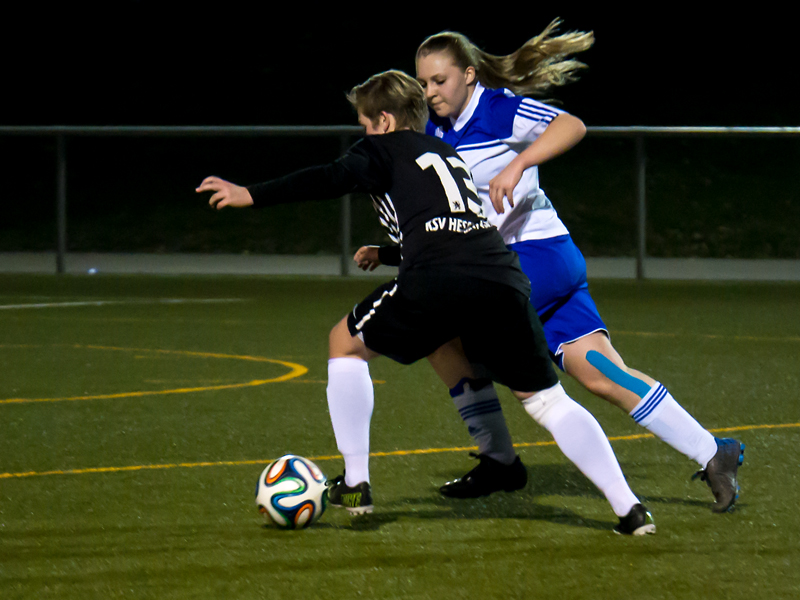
561 134
366 258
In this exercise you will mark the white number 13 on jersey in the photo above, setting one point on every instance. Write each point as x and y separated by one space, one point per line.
454 197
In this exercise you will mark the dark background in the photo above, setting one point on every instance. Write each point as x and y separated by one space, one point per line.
228 63
266 63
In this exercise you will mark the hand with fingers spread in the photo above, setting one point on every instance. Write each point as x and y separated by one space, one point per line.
225 193
367 259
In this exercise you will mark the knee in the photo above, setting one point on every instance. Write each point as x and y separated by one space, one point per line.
604 374
599 385
541 405
522 396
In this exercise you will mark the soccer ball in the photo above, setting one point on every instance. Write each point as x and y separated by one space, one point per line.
291 492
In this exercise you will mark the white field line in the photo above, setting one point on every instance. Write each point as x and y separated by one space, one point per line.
110 302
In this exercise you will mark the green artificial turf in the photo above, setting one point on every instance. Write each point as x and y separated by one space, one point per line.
132 432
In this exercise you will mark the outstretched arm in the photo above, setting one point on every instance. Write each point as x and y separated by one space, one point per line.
561 134
348 174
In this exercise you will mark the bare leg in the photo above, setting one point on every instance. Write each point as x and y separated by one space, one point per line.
450 363
577 366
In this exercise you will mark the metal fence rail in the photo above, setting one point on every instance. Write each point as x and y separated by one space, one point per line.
346 133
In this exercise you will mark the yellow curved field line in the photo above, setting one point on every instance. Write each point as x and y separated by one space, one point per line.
419 451
295 370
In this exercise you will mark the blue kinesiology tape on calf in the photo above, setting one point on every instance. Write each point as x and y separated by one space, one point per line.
617 375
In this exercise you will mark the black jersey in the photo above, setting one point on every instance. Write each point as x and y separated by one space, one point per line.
425 199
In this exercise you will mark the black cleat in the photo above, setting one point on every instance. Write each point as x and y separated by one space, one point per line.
638 521
357 499
720 473
488 477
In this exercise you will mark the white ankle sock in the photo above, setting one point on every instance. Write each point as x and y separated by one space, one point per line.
665 418
580 437
350 402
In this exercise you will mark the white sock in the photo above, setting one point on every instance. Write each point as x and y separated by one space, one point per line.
479 407
350 402
664 417
580 437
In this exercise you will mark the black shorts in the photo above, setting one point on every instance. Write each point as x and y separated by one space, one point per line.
408 319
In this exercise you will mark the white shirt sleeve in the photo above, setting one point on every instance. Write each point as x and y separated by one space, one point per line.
531 120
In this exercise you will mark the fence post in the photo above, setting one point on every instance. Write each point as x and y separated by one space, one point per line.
641 212
61 204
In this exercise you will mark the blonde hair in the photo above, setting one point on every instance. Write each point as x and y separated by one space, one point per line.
539 65
394 92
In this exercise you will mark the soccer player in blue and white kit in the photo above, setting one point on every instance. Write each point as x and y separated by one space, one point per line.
479 106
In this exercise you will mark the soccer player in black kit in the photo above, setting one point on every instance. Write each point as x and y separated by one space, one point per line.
453 269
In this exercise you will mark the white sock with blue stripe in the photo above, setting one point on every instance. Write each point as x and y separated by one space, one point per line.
479 407
659 413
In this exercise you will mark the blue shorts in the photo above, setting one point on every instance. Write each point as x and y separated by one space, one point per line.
559 291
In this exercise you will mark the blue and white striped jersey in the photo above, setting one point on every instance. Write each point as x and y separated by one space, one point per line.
496 126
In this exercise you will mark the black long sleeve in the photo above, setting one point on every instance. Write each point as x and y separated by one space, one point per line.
389 255
314 183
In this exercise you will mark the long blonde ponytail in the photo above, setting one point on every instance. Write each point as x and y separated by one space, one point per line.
540 64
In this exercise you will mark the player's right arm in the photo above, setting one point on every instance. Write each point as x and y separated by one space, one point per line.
225 193
314 183
369 258
355 171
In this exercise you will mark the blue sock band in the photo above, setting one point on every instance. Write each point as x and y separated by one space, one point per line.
617 375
